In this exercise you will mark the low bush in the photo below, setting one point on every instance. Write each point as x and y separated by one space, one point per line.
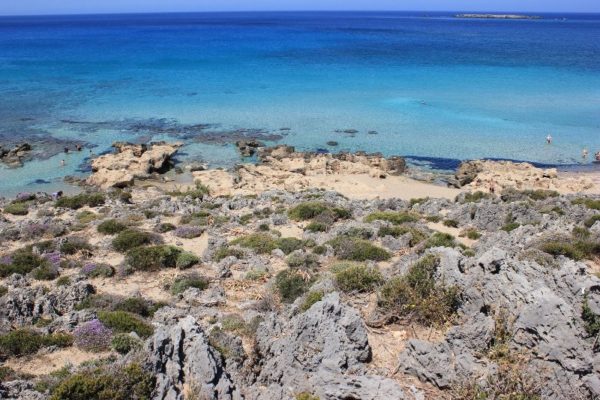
510 195
134 305
450 223
439 239
417 236
3 290
510 226
591 320
592 220
360 233
417 296
123 343
305 261
153 258
17 209
394 217
130 238
24 341
576 247
475 197
97 270
113 382
226 251
289 244
165 227
261 243
47 272
93 336
592 204
471 233
319 250
186 260
111 227
21 261
311 298
199 192
290 285
308 210
85 217
315 226
306 396
350 277
125 322
182 283
78 201
347 248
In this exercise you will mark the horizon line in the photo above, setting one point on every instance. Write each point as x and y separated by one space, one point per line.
294 11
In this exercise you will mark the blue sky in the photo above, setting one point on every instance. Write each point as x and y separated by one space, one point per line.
21 7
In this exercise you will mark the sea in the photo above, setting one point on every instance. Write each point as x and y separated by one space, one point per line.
429 86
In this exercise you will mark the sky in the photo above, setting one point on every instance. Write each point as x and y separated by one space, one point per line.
37 7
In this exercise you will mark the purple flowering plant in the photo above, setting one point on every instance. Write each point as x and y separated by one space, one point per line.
93 336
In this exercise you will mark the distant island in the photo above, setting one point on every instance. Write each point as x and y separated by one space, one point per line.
498 16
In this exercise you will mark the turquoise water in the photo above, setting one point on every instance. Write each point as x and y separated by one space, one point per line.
431 86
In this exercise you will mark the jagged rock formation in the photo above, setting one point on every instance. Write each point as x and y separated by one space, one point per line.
186 365
130 162
14 157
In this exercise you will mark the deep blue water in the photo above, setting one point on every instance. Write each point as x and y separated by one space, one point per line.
429 84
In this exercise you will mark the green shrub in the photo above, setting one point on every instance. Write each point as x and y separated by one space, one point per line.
306 261
199 192
134 305
592 220
111 382
417 236
17 209
3 290
46 272
433 218
290 285
311 298
471 233
182 283
475 197
306 396
130 238
347 248
308 210
226 251
360 233
320 250
125 322
23 262
421 200
153 258
165 227
511 226
261 243
86 217
111 227
394 217
562 248
186 260
351 277
439 239
592 204
289 244
450 223
256 275
123 343
80 200
315 226
591 320
511 195
25 341
418 296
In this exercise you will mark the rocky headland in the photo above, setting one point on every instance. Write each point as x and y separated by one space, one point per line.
258 283
497 16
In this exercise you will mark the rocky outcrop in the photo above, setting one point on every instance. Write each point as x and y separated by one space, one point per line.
24 304
14 157
537 299
248 148
131 162
483 174
186 365
321 351
281 167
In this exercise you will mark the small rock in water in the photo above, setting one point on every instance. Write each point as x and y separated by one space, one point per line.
332 143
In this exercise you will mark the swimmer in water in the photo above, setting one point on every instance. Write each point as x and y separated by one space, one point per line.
549 139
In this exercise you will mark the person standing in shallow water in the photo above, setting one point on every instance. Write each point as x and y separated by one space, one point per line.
549 139
584 153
